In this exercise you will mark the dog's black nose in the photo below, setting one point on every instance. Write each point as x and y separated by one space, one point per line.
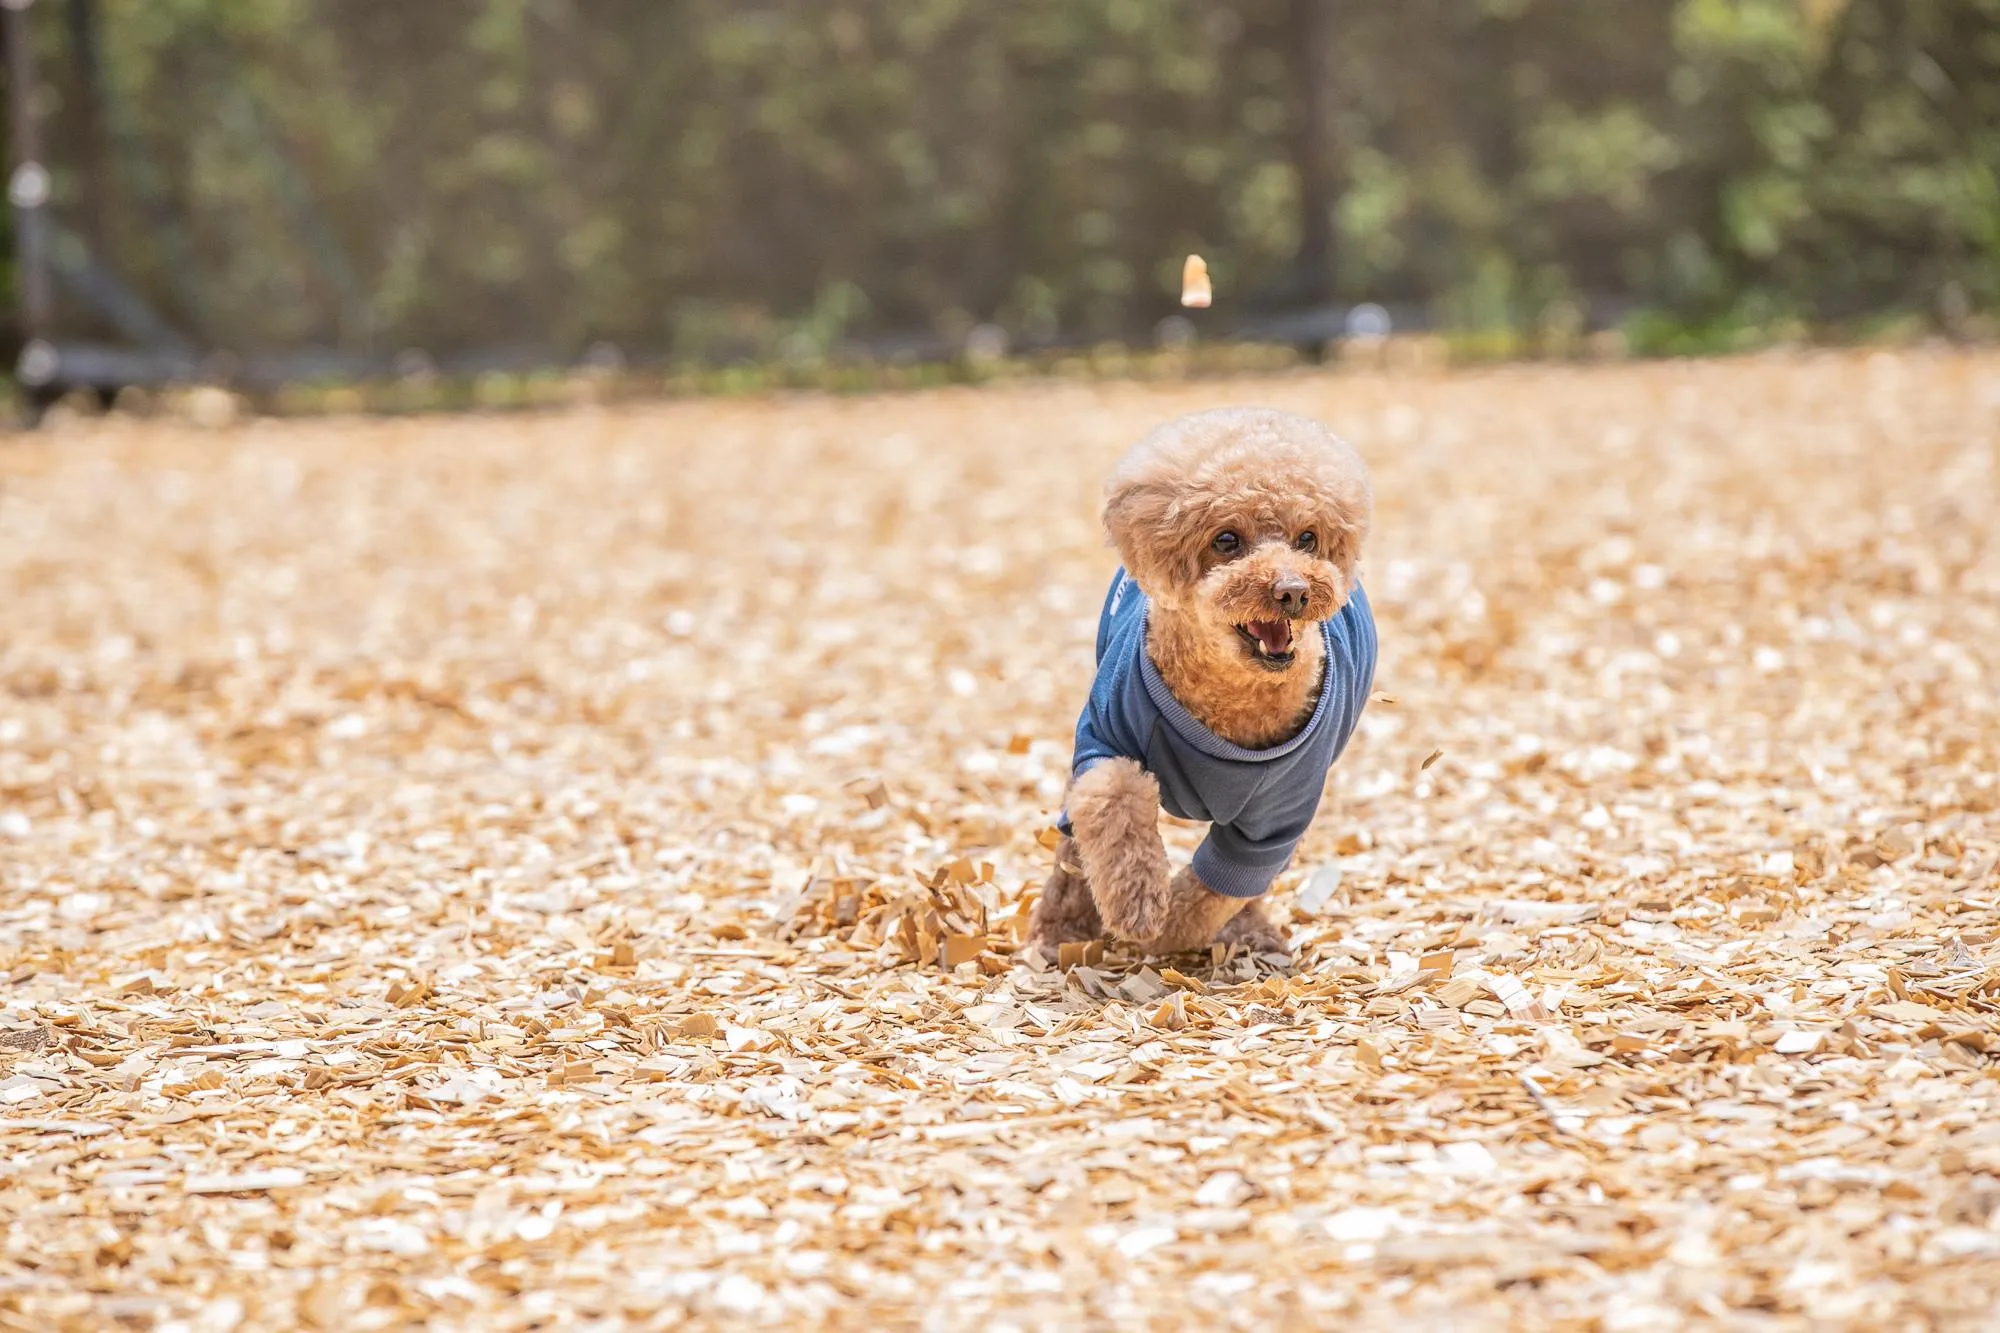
1290 592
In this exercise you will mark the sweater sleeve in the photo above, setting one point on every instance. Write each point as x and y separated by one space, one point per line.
1102 731
1240 860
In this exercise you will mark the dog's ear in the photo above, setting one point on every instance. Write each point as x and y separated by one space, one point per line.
1144 518
1346 514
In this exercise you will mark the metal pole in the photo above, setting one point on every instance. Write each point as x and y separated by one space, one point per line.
28 191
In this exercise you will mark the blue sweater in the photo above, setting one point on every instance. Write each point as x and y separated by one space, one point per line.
1259 802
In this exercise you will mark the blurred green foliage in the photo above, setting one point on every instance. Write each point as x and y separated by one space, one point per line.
761 178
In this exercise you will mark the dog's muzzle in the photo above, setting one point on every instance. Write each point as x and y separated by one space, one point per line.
1271 642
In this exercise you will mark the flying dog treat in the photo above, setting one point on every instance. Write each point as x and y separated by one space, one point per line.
1195 290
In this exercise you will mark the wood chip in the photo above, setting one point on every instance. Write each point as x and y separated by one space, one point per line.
1510 992
1079 953
960 949
1459 992
456 871
1319 888
245 1182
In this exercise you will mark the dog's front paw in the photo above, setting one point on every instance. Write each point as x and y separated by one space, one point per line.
1065 912
1252 932
1115 810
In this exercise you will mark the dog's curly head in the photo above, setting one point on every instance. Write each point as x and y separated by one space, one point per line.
1251 519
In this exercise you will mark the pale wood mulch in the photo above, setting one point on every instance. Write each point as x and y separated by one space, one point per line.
492 873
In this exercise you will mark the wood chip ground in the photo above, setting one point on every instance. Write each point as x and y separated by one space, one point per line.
493 873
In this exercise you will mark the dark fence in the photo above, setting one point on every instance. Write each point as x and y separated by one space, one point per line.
267 191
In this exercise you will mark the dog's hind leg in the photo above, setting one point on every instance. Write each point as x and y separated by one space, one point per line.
1065 912
1196 915
1115 810
1253 932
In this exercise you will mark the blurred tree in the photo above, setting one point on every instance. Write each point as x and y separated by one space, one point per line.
753 178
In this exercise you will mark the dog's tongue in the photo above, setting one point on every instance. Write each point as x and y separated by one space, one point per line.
1275 636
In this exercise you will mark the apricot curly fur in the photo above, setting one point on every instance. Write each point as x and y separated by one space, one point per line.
1115 810
1253 932
1268 477
1193 916
1065 912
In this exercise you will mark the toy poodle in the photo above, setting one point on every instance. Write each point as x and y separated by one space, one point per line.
1234 654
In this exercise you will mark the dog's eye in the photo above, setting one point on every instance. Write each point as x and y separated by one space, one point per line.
1227 543
1307 542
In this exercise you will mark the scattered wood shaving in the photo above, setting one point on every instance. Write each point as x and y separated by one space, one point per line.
494 871
961 949
246 1182
1319 888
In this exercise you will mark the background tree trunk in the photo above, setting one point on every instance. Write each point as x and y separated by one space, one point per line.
1309 25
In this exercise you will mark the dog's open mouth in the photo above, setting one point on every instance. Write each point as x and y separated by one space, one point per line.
1270 641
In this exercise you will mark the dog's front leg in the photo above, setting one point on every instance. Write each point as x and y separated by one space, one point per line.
1065 913
1195 915
1115 810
